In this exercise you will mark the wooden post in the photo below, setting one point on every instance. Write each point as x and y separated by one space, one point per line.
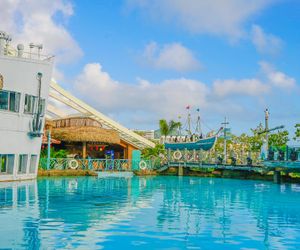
185 155
180 170
84 149
49 150
200 157
277 177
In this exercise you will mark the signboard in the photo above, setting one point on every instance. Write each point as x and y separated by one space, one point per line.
227 130
227 133
1 82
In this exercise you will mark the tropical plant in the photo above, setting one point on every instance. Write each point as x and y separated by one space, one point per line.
149 153
61 153
256 140
167 128
297 132
279 139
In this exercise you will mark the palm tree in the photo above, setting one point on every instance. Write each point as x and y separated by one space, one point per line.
167 128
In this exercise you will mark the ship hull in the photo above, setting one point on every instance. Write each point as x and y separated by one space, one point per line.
202 144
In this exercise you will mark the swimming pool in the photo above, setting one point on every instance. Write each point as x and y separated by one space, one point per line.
149 213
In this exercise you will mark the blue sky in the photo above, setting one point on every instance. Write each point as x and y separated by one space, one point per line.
141 60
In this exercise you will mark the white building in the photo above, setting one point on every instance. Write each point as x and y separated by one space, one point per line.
148 134
24 87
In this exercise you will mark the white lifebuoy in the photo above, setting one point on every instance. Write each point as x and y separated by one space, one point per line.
177 155
189 157
143 165
73 164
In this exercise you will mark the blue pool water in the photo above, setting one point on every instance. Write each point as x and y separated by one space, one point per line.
149 213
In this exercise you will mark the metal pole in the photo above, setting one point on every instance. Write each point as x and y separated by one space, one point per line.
267 126
189 124
49 150
225 149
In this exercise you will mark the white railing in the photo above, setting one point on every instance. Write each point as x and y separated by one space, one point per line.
10 52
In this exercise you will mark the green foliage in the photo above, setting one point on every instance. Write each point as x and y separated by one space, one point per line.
297 132
243 144
149 153
279 139
256 140
61 153
167 128
219 147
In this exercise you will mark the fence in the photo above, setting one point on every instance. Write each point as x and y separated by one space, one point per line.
96 164
211 158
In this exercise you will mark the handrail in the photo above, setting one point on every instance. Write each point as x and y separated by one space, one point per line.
26 55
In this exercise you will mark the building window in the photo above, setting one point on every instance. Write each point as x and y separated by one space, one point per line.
7 164
31 103
33 162
14 101
3 100
9 101
22 164
42 107
3 164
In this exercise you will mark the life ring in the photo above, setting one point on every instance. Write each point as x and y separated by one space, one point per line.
143 165
73 164
189 156
177 155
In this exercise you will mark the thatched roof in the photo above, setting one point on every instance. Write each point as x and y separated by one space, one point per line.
86 134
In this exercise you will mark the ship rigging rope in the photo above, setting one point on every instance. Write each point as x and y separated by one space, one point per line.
207 126
194 128
185 127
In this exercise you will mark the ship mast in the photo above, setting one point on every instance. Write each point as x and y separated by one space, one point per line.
189 120
198 125
180 127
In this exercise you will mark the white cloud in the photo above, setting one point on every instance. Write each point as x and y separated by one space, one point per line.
277 78
265 43
254 87
36 21
205 16
146 102
245 87
165 98
171 56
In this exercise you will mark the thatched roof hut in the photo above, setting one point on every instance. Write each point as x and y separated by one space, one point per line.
86 134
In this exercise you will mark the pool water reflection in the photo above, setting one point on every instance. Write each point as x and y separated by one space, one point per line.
149 213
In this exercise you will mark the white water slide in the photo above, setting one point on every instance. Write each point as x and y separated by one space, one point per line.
59 97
